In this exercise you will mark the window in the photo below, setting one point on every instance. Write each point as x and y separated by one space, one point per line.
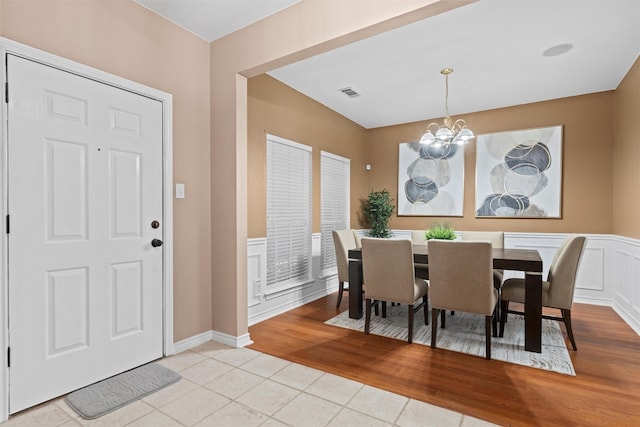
334 205
288 213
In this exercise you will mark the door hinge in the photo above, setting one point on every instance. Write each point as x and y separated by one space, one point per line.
8 224
8 357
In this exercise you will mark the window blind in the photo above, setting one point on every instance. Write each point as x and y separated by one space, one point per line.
288 212
334 204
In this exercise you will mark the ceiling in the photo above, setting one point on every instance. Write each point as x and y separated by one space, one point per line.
494 46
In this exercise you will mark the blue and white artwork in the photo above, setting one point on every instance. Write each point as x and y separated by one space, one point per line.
430 179
519 173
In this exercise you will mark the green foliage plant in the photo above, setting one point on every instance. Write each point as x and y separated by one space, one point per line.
378 210
441 231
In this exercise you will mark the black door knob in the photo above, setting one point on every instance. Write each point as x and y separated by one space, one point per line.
156 242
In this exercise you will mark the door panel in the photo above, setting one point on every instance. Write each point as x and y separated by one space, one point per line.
85 182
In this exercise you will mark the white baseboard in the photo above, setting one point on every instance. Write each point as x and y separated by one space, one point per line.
267 314
230 340
631 321
222 338
192 342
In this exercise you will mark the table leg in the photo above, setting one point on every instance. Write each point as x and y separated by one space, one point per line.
533 312
355 288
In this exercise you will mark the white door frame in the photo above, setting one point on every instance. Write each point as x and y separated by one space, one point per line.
9 46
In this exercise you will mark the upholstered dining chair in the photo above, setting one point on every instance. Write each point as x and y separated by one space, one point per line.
417 238
388 273
343 241
497 242
461 279
557 290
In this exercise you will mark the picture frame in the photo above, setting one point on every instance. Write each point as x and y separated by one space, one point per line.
430 179
519 173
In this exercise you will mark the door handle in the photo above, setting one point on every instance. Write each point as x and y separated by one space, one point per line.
156 242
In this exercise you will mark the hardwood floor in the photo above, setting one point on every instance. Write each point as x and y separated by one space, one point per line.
605 390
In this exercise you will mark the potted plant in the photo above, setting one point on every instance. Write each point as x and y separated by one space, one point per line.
442 231
377 211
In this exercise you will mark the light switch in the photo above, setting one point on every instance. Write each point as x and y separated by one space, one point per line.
179 191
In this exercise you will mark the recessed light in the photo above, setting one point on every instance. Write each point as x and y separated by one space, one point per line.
558 49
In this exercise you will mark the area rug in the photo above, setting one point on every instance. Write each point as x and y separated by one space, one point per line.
465 333
113 393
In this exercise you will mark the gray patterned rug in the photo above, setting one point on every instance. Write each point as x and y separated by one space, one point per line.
464 333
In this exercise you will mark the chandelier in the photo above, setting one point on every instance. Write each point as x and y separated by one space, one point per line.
450 132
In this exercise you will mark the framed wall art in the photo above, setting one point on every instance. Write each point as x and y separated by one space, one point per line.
430 179
519 173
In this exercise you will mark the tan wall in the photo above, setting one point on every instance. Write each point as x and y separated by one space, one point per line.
626 203
307 28
127 40
276 109
587 163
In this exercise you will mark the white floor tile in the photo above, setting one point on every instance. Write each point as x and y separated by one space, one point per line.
378 403
46 415
348 417
468 421
307 411
297 376
180 361
418 413
334 388
205 371
170 393
195 406
234 415
265 365
234 383
155 419
268 397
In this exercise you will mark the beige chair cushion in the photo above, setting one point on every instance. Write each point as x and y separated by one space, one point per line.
388 271
461 276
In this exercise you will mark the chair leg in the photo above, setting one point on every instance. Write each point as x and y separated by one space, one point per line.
566 316
487 326
425 301
384 309
443 315
494 321
434 326
367 317
503 315
410 330
375 308
340 291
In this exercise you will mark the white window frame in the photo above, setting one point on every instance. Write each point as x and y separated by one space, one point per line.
294 207
333 217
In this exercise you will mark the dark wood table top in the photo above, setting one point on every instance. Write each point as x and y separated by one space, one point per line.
503 259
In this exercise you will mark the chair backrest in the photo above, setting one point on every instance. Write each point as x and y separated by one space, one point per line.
387 268
495 237
417 237
343 240
563 271
357 237
461 276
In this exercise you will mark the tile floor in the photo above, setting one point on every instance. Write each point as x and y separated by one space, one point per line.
223 386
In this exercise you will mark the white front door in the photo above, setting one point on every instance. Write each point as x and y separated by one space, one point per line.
85 203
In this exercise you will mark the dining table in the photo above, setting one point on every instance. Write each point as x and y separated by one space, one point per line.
525 260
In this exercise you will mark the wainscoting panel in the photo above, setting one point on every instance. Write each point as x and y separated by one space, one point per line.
263 305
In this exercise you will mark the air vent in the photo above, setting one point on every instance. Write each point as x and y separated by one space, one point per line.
350 92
